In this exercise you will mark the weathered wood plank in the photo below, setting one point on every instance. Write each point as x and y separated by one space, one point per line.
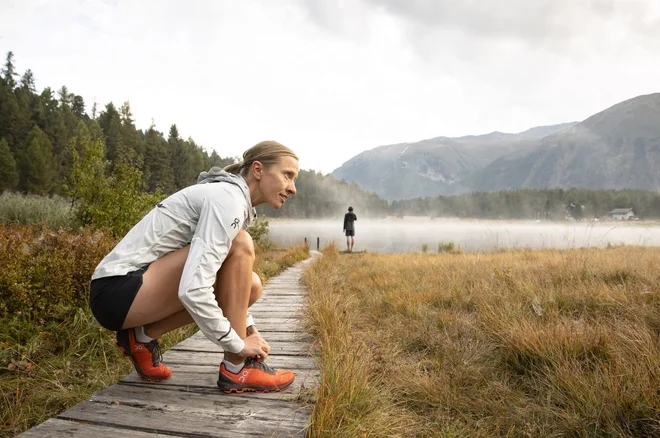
273 336
276 347
58 428
267 314
274 307
182 357
196 377
190 414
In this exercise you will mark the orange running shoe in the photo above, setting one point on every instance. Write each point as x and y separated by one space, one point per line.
255 377
145 357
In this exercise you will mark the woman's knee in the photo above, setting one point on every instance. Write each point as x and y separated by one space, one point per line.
242 245
255 289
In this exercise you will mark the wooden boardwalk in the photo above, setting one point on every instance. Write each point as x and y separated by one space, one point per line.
189 404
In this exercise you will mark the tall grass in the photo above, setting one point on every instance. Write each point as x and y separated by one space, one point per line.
17 209
519 343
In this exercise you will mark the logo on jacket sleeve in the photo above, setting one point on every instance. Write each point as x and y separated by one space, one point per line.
234 224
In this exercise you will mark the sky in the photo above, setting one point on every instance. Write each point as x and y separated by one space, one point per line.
333 78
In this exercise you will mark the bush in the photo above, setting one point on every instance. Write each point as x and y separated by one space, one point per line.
33 209
448 247
259 230
46 273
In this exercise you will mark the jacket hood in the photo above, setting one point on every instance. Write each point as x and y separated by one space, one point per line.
216 174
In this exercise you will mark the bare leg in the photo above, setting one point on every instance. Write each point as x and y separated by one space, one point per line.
158 297
348 243
233 286
161 283
352 243
159 328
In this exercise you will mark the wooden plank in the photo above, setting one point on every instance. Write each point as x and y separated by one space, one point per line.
190 414
182 357
278 302
202 378
268 314
273 336
58 428
276 347
281 306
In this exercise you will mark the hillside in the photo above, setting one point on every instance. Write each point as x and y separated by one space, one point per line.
615 148
435 166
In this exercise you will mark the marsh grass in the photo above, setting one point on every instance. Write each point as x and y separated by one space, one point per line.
53 353
515 343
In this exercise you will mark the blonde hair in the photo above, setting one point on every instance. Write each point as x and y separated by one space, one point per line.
266 152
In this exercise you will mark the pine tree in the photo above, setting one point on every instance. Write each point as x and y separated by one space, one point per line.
9 71
8 168
110 123
157 162
131 141
182 160
36 164
10 117
78 107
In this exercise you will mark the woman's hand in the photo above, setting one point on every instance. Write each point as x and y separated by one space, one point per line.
255 346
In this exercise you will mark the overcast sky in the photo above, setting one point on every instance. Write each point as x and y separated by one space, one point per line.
332 78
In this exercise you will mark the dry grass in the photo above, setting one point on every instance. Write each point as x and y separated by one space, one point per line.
521 343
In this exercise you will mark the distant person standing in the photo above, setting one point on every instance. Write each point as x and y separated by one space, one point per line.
349 228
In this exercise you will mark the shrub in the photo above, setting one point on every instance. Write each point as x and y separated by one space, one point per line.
47 273
259 230
20 209
448 247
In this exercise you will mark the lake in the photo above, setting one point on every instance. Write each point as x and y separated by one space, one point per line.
410 234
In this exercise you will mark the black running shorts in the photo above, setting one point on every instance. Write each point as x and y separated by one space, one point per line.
111 298
350 233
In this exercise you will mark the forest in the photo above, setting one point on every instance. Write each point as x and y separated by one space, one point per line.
52 143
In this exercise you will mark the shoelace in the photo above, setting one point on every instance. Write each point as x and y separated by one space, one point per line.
156 355
251 362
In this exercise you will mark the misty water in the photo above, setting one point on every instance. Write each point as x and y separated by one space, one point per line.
410 234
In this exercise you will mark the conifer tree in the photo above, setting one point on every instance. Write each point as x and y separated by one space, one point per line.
110 123
131 141
9 71
37 166
8 168
157 162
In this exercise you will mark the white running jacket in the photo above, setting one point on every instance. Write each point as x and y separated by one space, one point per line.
208 216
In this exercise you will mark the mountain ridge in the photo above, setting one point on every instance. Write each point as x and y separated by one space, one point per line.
618 147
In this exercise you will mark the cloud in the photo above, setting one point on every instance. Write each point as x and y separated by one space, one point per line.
332 78
533 22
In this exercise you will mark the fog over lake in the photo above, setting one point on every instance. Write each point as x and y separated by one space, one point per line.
410 234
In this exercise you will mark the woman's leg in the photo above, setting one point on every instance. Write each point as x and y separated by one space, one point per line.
160 284
159 328
233 286
158 297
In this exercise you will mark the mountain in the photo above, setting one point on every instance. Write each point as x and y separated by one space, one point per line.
615 148
434 166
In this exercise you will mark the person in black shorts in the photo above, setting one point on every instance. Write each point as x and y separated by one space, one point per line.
349 228
190 260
